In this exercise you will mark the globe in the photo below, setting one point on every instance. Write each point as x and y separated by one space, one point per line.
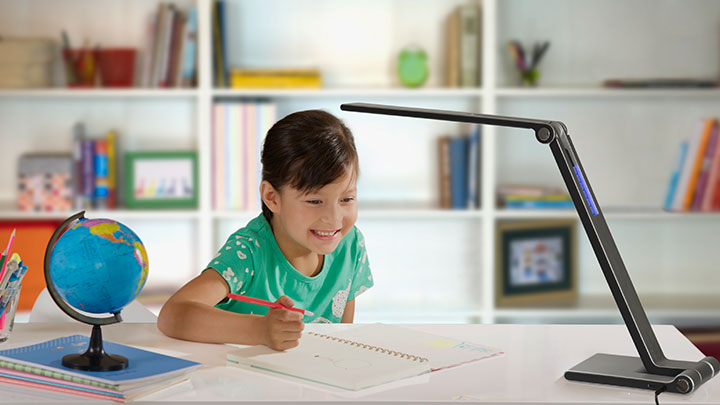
94 266
98 265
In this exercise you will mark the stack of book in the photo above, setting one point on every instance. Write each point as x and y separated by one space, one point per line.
532 197
171 58
463 51
239 130
275 78
459 161
694 182
38 368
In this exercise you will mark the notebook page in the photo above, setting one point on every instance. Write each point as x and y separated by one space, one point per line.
443 352
330 362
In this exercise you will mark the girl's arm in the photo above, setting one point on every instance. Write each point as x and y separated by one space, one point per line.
349 313
190 314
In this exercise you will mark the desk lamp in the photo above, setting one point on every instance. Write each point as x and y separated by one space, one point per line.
652 370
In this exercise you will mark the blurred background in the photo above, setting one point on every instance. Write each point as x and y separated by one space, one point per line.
153 113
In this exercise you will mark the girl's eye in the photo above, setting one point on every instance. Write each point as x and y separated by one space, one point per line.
313 202
348 199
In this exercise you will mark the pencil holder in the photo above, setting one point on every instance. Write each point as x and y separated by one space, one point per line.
529 77
8 304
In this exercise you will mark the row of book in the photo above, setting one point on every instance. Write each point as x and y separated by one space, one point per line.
171 59
524 196
463 50
459 161
695 181
37 368
86 178
239 129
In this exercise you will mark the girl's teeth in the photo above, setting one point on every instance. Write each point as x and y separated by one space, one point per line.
324 233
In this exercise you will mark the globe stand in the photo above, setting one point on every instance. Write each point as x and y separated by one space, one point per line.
95 358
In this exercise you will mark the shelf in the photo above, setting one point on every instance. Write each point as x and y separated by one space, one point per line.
349 92
98 93
114 214
591 309
376 213
601 92
609 213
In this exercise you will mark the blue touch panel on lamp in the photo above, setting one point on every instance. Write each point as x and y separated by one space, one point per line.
585 190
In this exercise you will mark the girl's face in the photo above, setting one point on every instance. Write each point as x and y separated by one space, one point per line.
315 222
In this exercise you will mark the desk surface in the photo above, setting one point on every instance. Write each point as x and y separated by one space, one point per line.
531 371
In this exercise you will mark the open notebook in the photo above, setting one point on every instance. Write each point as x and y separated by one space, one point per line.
362 356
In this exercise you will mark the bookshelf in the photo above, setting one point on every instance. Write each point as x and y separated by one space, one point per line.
627 139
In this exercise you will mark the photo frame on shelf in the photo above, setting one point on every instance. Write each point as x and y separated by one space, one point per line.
536 263
161 179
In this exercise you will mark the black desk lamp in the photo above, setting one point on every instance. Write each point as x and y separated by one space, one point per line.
652 370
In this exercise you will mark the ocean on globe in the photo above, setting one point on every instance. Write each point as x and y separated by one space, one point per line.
98 266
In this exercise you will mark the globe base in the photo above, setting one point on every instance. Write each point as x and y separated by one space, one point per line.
95 358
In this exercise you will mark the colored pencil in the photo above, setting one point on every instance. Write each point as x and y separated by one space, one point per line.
251 300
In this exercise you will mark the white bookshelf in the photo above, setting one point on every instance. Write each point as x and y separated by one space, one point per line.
430 265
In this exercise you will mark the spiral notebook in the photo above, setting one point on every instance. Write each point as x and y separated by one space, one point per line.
363 356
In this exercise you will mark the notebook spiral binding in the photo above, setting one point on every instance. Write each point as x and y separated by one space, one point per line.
370 347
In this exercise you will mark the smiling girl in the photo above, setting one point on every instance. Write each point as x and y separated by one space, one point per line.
304 249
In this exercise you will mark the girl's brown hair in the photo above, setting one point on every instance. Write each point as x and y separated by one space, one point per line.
307 150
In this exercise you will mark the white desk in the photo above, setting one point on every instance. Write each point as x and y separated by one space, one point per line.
531 371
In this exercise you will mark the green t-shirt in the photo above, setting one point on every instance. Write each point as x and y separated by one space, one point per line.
252 264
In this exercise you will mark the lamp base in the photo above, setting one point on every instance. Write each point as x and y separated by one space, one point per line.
625 371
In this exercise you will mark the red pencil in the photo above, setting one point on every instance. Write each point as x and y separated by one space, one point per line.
251 300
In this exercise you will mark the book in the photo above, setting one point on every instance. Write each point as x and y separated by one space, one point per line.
189 53
470 22
661 83
458 172
683 181
144 368
704 175
100 168
675 176
277 78
474 182
713 177
698 159
452 49
363 356
444 172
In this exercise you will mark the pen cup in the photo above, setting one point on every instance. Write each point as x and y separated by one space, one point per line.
529 77
8 304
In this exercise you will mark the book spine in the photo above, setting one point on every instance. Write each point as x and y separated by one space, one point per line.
444 172
675 176
170 18
176 37
111 139
530 204
189 62
469 45
158 48
78 187
474 167
693 145
101 174
458 172
713 178
452 49
705 170
88 172
697 164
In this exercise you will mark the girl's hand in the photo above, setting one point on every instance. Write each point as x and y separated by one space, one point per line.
282 328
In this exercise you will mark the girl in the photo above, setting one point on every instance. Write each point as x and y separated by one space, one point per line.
302 250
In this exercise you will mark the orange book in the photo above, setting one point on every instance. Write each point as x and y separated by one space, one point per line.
697 163
713 177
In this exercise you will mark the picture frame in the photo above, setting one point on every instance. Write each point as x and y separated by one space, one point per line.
536 263
161 179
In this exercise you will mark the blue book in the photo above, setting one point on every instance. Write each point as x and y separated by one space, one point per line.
530 204
144 367
458 172
189 56
675 176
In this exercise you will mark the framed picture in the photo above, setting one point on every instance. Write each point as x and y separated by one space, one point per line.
536 263
163 179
